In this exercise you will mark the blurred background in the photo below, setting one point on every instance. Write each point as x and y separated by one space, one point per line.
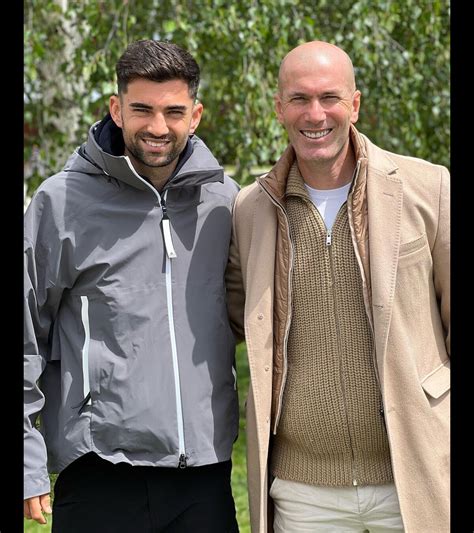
400 50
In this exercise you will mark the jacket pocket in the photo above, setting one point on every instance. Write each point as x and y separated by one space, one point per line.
85 351
437 382
234 373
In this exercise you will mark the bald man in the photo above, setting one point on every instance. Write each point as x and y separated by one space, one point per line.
339 277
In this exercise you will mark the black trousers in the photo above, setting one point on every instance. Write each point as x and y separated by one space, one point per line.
92 495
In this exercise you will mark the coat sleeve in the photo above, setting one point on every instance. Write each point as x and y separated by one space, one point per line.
42 295
441 256
234 283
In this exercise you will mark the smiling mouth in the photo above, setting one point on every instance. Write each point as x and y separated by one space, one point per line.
155 144
315 134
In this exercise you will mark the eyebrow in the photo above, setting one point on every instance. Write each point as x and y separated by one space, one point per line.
297 93
177 108
140 105
330 92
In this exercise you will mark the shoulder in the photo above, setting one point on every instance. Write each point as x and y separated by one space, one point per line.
249 194
412 171
65 200
425 185
419 168
51 192
221 192
230 185
252 202
423 181
45 211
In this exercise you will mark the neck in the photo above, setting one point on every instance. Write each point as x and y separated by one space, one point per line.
158 183
329 174
157 175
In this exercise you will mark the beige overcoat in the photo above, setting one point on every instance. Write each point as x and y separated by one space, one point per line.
406 221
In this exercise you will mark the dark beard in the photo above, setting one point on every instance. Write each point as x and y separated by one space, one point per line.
140 154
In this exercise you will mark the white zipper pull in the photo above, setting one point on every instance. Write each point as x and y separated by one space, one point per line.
165 222
328 238
167 235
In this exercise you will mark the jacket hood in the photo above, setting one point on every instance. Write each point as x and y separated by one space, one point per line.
103 153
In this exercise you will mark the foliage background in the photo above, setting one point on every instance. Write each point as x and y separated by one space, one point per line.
400 50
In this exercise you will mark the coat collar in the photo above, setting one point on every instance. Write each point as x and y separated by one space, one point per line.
275 181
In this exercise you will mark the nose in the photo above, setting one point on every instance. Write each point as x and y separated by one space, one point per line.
157 125
315 111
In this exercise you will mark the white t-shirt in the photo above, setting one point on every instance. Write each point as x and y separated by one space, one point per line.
328 201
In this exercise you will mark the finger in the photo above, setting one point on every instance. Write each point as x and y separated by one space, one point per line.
26 510
35 511
45 502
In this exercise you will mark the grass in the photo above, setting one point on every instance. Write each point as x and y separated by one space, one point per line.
239 462
239 469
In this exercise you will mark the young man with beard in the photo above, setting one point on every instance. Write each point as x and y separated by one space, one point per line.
341 253
129 358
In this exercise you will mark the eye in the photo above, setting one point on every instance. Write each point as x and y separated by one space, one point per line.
298 98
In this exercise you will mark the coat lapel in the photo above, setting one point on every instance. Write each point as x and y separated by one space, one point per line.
385 200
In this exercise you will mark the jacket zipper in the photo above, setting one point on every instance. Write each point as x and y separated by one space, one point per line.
171 254
288 321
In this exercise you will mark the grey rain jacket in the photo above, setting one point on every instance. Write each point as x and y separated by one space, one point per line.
128 349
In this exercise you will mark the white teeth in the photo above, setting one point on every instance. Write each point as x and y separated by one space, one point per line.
156 144
315 134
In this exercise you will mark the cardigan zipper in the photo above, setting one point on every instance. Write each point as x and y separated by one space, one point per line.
339 349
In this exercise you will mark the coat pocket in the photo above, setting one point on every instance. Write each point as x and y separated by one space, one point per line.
413 245
437 382
414 252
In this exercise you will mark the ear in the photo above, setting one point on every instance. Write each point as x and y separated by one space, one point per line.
115 110
278 107
355 106
196 117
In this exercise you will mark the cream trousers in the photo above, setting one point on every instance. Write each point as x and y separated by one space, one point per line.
302 508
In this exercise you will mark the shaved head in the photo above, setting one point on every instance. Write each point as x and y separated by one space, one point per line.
317 101
317 55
